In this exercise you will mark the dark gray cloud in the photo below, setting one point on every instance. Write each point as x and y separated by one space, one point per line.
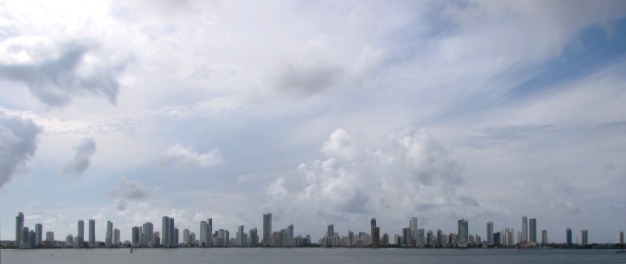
130 190
84 150
18 143
55 80
308 80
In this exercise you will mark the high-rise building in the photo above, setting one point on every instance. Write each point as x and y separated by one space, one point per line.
524 237
209 231
204 236
92 233
19 225
544 238
135 234
463 234
420 240
490 233
582 240
406 236
108 241
165 232
39 235
148 232
568 237
253 237
375 233
80 237
532 230
240 236
329 240
25 243
413 226
267 229
620 237
116 237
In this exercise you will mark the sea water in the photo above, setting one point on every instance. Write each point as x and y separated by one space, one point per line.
309 255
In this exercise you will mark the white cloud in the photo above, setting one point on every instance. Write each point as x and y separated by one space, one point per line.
180 155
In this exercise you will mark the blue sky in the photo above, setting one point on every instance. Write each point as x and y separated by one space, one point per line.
318 112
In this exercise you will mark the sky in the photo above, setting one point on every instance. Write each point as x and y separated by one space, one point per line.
319 112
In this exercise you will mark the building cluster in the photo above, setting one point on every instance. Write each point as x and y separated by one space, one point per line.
410 236
169 237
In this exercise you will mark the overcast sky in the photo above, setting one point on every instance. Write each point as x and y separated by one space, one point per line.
320 112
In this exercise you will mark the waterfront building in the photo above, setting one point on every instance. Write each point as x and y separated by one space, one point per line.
38 235
544 238
420 240
108 240
240 237
375 233
19 225
148 232
116 237
165 231
92 233
135 235
209 231
253 237
490 241
80 237
186 237
406 237
532 230
25 236
582 238
413 226
524 233
568 237
69 240
463 239
267 229
620 238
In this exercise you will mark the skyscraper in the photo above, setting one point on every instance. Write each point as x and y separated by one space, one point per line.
209 232
267 229
92 233
80 238
532 224
375 233
490 233
39 235
544 238
463 234
413 226
165 232
582 241
19 225
620 237
108 242
568 237
148 232
524 236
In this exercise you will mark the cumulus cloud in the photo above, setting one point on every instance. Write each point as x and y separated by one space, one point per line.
84 150
54 74
415 174
18 143
180 155
128 190
308 80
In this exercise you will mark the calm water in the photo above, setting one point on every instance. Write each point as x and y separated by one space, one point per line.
309 255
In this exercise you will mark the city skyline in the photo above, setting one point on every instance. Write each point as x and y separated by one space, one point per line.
320 113
410 236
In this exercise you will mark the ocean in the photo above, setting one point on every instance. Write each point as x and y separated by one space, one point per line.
309 255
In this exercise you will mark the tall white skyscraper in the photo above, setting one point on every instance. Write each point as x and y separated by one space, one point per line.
148 232
413 226
524 236
582 240
92 233
489 233
267 229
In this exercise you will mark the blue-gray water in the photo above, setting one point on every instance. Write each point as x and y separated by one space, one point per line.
309 255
